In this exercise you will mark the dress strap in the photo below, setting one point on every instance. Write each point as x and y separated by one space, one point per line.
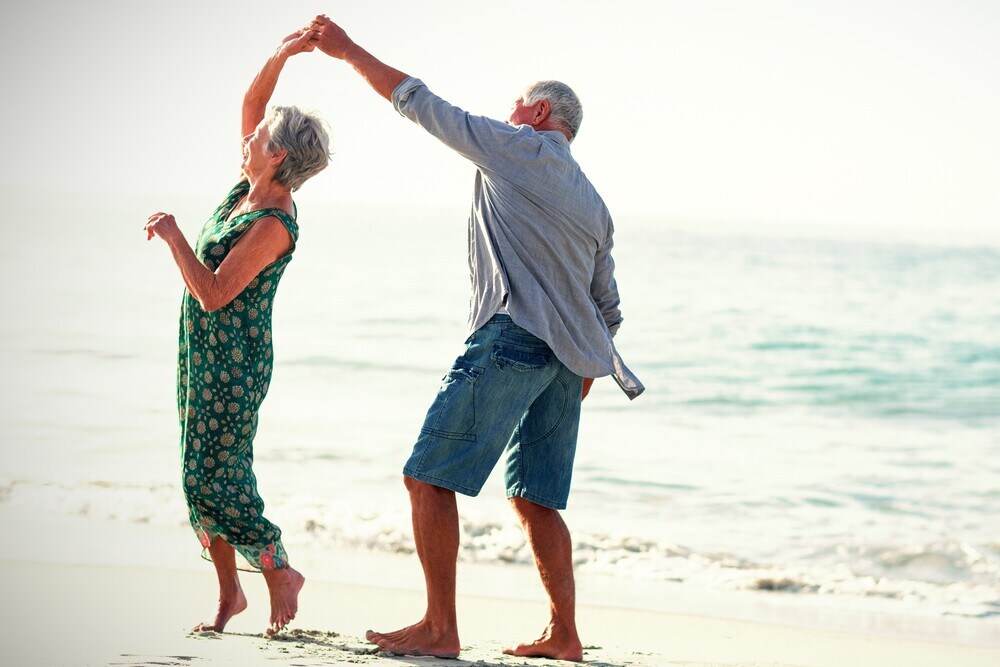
229 203
281 214
239 189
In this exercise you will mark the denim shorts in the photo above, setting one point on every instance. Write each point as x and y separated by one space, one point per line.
507 391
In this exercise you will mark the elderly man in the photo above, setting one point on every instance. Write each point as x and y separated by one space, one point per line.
544 308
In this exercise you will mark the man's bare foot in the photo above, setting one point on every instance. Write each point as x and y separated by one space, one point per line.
284 586
418 639
556 644
229 606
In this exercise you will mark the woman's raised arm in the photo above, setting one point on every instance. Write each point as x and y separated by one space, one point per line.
259 93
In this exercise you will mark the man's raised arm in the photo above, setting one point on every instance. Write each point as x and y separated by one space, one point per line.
476 138
333 41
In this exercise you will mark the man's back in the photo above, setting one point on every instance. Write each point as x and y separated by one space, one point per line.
539 234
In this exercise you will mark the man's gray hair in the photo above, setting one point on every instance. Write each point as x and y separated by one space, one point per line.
306 141
567 112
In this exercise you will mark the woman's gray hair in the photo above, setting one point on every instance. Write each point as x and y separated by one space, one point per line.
567 112
304 138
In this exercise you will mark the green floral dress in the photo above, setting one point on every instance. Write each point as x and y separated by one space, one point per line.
223 374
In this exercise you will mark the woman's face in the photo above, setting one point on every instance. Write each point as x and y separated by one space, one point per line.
255 154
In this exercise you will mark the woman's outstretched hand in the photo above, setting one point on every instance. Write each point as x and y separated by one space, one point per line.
162 225
300 41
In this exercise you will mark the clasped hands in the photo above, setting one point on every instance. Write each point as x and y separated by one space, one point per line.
321 33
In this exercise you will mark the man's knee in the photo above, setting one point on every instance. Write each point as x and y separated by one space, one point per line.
423 489
527 509
409 483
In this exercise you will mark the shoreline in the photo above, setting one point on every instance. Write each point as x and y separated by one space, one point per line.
63 539
60 614
87 592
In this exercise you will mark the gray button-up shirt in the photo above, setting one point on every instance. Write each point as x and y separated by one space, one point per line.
540 237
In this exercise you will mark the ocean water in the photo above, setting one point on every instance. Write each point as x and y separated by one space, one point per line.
822 415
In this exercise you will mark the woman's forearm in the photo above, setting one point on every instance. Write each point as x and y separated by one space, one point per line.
260 246
261 88
201 282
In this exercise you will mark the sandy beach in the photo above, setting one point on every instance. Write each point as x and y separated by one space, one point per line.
75 599
59 614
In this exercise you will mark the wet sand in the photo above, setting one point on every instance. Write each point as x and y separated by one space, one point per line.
57 614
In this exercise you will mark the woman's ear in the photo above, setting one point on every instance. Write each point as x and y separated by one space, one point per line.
277 157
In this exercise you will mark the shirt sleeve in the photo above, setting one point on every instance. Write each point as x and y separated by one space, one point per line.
603 288
477 138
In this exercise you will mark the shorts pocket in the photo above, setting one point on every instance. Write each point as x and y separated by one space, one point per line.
462 371
523 359
453 413
518 337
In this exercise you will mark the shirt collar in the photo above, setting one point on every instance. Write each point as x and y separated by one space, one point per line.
556 136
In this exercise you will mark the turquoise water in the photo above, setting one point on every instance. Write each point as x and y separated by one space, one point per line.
822 416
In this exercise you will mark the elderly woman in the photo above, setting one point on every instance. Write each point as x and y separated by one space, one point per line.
225 362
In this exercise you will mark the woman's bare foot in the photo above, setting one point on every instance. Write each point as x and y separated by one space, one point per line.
230 604
418 639
284 586
556 644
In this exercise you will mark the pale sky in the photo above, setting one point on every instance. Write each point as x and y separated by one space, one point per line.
880 114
